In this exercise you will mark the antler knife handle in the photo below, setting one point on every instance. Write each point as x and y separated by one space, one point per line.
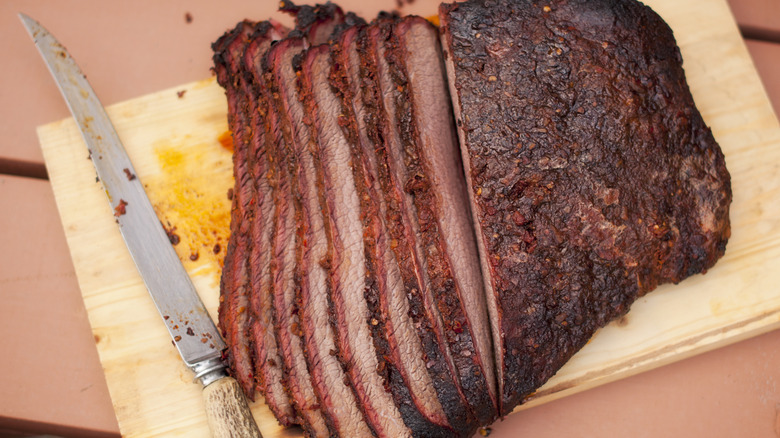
227 411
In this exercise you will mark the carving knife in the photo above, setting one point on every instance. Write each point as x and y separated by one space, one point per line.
169 285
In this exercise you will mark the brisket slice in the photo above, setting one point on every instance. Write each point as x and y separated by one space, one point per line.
395 336
379 93
264 136
288 242
330 381
380 125
349 278
265 129
325 377
435 182
592 174
234 283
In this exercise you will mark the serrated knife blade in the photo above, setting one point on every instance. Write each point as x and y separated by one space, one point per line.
192 330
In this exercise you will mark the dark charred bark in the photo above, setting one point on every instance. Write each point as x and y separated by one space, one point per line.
592 174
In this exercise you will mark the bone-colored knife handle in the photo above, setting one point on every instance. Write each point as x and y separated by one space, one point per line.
227 411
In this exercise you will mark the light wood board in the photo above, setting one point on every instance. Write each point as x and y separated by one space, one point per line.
174 142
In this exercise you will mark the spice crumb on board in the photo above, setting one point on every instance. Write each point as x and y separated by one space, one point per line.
171 232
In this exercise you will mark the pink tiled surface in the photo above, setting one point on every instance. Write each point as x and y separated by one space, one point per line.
50 378
766 57
758 18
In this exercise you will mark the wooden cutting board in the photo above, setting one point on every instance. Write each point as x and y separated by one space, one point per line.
176 139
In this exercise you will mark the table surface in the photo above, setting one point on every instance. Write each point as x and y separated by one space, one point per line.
51 381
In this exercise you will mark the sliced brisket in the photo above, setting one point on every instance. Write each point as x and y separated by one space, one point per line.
234 283
395 337
275 338
337 399
287 243
349 279
330 381
376 126
592 175
434 181
266 131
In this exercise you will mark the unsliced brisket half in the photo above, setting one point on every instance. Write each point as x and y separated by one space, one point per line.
592 175
434 181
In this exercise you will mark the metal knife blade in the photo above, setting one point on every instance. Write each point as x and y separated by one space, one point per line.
184 315
156 260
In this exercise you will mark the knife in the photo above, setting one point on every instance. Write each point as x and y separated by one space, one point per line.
169 285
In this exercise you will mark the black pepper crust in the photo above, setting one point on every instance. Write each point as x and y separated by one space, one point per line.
594 177
307 17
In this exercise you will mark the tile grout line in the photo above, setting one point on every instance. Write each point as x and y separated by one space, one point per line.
23 168
760 34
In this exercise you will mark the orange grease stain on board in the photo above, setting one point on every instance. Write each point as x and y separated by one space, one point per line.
226 140
189 195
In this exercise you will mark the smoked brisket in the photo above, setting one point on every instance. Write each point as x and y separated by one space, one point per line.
592 174
427 223
265 348
336 398
374 103
314 25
